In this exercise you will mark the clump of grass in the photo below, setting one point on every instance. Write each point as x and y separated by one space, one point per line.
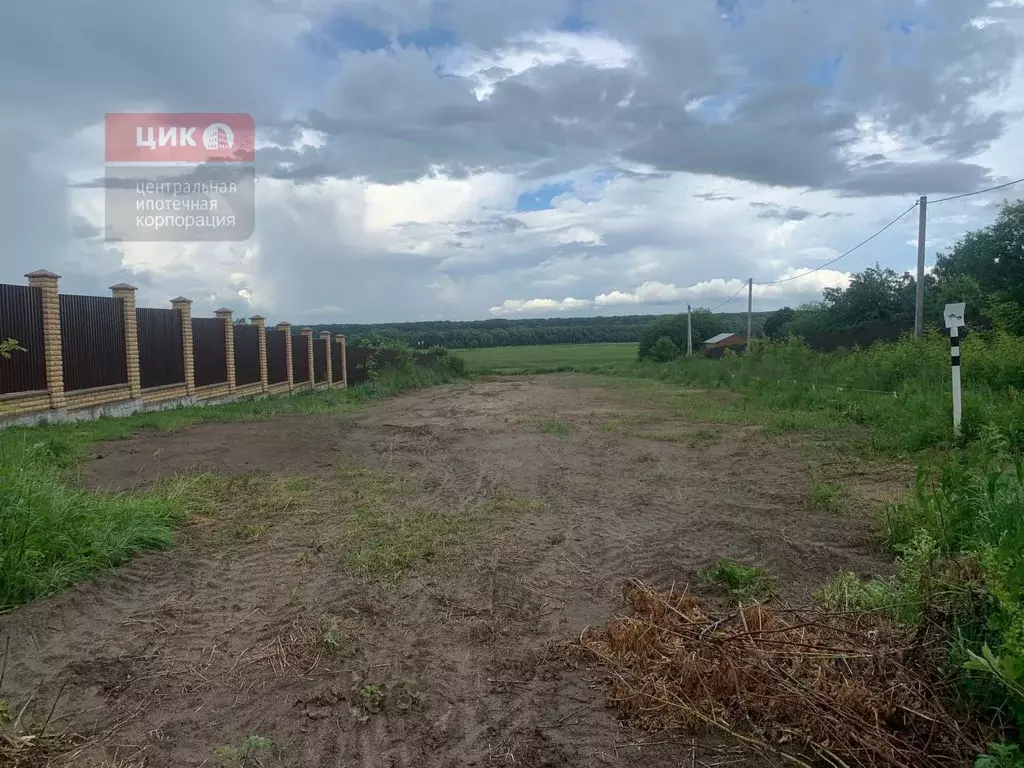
557 427
702 437
246 753
386 537
831 497
740 581
53 535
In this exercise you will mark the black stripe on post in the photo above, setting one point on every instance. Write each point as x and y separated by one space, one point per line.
955 360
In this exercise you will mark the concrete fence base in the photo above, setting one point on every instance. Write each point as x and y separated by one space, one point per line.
169 398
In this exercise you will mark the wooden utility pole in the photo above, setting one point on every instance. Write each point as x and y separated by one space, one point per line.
689 332
750 309
921 232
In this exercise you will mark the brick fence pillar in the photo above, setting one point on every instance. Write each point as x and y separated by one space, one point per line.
229 343
184 307
46 282
287 328
261 328
325 339
126 293
308 334
344 361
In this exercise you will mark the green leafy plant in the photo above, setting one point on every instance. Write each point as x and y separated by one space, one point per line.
557 427
1001 755
8 347
740 581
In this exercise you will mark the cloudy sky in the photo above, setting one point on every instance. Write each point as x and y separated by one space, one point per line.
463 159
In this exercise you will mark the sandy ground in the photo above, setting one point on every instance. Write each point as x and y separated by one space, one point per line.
182 652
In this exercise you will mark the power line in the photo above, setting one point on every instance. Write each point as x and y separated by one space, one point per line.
730 298
843 256
979 192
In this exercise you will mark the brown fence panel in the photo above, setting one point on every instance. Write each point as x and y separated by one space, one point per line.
21 319
209 347
319 361
300 359
247 354
92 341
336 371
161 355
356 360
277 357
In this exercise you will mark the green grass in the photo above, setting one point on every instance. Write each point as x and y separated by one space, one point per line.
831 497
388 534
549 358
740 581
53 534
557 427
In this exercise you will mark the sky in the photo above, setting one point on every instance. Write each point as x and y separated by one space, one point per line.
469 159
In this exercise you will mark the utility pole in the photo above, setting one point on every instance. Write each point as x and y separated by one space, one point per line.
689 333
750 309
921 232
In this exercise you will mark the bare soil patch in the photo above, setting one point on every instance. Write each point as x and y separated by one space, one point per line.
299 624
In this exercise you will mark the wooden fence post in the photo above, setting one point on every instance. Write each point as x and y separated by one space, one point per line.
344 362
287 328
325 339
261 326
126 293
229 343
308 333
46 282
184 307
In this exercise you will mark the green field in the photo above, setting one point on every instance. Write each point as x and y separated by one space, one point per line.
543 358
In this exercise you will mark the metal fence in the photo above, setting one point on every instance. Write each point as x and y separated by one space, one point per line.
277 357
92 341
337 373
21 319
247 354
319 360
161 362
210 351
300 359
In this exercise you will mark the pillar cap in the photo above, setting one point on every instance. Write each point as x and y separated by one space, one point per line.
181 300
340 336
223 311
307 331
123 287
43 273
284 322
325 334
257 317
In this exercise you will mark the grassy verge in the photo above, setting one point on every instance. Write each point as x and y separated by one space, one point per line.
53 534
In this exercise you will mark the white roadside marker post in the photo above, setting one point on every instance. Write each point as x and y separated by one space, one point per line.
954 315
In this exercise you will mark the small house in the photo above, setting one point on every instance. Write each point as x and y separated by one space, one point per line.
724 341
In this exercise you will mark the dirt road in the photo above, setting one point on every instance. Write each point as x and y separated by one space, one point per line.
302 613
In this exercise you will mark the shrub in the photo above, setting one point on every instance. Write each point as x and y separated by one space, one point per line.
664 350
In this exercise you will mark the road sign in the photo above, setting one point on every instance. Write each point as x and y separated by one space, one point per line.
954 315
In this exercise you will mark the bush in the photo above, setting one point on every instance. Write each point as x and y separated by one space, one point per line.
453 365
664 350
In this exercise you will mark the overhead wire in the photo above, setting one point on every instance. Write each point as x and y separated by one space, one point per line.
979 192
730 298
842 256
867 240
